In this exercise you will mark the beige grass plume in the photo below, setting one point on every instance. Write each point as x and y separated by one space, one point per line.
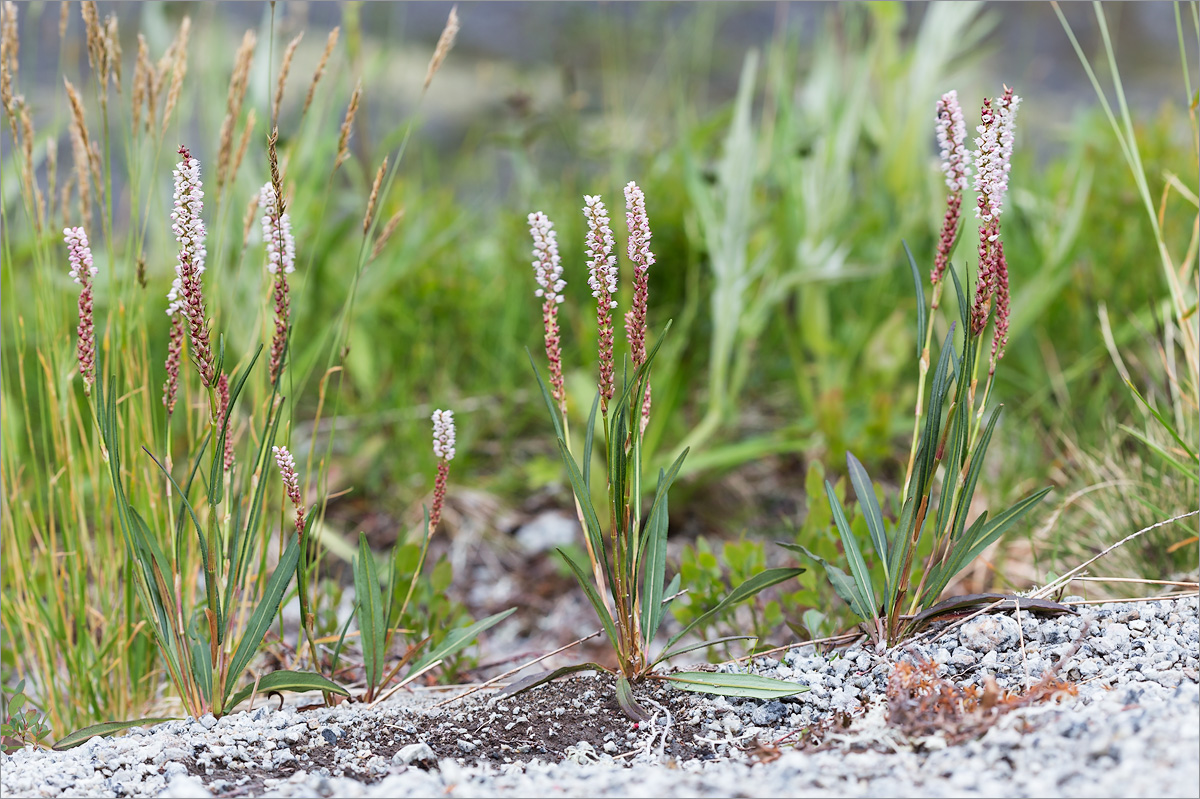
284 68
330 43
343 150
233 106
445 42
178 71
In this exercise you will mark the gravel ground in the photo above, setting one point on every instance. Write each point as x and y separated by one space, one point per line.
1104 703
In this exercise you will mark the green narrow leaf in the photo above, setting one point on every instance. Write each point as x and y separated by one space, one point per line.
751 686
655 560
843 584
284 680
1003 521
460 638
692 647
920 290
750 587
558 429
260 620
858 567
1191 453
871 511
591 520
534 680
588 441
106 728
626 701
370 612
972 477
585 582
964 308
943 572
216 485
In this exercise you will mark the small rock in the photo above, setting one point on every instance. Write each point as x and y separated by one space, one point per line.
414 753
770 713
989 633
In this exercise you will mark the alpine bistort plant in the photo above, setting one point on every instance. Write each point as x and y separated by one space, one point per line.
627 586
380 618
953 439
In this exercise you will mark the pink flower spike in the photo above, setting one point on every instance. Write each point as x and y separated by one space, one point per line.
222 410
291 483
79 254
547 270
602 278
951 135
638 249
174 356
443 449
281 261
187 293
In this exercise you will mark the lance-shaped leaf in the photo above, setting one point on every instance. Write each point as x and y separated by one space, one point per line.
764 579
283 680
458 639
260 620
589 590
82 735
371 622
843 584
750 686
871 511
858 567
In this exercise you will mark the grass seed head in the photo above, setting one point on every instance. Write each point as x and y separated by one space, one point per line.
445 42
330 42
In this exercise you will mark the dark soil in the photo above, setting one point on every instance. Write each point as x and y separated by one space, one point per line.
576 717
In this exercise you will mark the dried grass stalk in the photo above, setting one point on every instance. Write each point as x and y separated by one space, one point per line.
248 219
178 71
370 215
10 46
445 42
51 177
233 105
251 120
316 78
112 50
64 13
388 229
81 149
284 68
343 150
97 49
141 75
27 178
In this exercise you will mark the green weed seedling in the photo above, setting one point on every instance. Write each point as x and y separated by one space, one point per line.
21 725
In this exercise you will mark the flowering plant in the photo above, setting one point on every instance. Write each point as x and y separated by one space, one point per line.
379 616
627 586
206 649
954 437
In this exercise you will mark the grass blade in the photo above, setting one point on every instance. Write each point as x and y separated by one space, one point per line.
920 289
858 567
869 504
